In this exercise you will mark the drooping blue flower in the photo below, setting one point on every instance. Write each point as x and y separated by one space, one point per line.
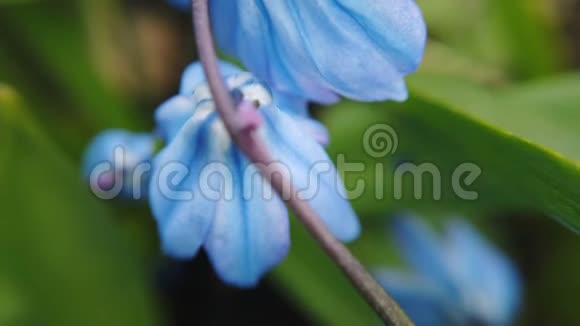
322 49
205 193
459 279
117 164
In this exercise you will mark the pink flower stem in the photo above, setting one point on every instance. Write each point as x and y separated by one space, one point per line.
245 137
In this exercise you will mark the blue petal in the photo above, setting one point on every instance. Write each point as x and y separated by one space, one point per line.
317 49
316 130
194 75
252 40
172 115
297 106
250 232
183 221
137 148
424 251
489 281
225 31
138 145
298 109
312 172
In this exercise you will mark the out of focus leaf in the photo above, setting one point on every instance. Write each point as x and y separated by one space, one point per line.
534 47
63 261
519 35
459 65
523 139
545 112
11 305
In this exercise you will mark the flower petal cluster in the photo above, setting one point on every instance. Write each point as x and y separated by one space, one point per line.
206 193
176 111
458 279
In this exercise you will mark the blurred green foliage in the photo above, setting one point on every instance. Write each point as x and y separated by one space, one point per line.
66 262
496 89
520 36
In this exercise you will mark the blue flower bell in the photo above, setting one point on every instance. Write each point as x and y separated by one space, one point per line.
459 279
206 193
320 50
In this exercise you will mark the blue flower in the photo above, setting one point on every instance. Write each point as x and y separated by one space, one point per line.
320 50
204 191
117 163
459 279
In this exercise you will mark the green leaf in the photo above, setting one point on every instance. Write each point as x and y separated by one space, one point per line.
544 112
523 139
63 260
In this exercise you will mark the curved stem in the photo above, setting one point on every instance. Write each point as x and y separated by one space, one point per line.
256 151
